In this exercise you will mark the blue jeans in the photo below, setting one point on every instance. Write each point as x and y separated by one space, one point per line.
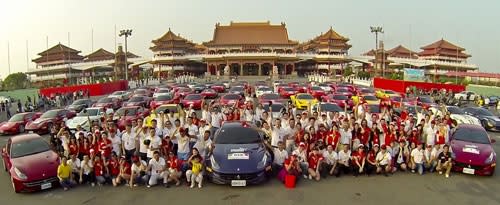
420 168
431 166
65 183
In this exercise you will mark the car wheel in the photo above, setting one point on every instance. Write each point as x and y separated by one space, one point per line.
483 123
49 126
21 128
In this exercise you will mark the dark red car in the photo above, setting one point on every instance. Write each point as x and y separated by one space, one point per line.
209 93
137 101
230 99
472 150
301 88
219 87
182 92
194 100
176 87
286 92
126 115
143 92
17 123
397 101
273 97
31 163
316 91
343 91
43 124
109 103
426 102
162 100
340 100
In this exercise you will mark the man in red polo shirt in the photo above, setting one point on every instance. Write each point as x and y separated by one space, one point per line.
124 172
314 160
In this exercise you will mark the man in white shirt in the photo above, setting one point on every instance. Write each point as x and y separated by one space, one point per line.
204 144
280 154
330 163
143 148
75 165
291 132
343 162
158 169
192 131
116 143
129 142
277 133
383 160
431 132
417 159
430 156
154 143
183 144
138 172
345 135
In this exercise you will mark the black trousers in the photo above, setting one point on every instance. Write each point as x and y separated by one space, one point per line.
342 169
370 169
324 170
88 178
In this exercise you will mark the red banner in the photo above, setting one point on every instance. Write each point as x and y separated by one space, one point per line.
400 85
93 89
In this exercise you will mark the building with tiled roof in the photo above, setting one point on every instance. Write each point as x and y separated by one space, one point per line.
445 51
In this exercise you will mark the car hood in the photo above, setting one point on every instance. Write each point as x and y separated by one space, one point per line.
468 152
494 118
80 120
8 125
37 166
222 153
465 119
42 120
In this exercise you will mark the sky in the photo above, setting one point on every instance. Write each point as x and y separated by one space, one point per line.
25 25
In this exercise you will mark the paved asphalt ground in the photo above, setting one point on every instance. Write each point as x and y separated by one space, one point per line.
400 188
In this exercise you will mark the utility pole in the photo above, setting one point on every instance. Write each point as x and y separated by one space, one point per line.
376 30
8 55
126 33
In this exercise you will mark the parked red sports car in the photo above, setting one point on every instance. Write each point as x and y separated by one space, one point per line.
31 163
209 93
340 100
273 97
286 92
109 102
316 91
192 100
17 123
48 119
126 115
230 99
161 100
219 87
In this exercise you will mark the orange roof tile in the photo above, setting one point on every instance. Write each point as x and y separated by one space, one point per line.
251 33
59 48
99 54
442 44
401 51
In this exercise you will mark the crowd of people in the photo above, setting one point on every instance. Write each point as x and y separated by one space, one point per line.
171 148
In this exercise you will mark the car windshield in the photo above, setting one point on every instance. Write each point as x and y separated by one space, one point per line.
208 90
185 90
193 97
89 112
330 107
28 147
105 100
484 112
272 96
170 108
238 88
316 88
163 91
305 97
374 108
231 97
140 91
118 93
455 110
80 102
367 91
396 98
471 135
493 97
275 107
50 114
340 97
240 135
130 111
288 89
17 118
342 90
136 99
370 97
425 99
163 97
262 89
390 92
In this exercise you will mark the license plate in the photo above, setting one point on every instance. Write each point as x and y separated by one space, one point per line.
238 183
468 171
46 186
238 156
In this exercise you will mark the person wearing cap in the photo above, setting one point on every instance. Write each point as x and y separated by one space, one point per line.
280 154
99 170
124 172
138 173
328 165
291 166
158 169
301 154
64 173
445 161
371 162
183 144
383 161
344 161
314 161
174 168
417 158
358 160
430 158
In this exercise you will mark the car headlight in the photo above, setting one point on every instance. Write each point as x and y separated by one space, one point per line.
20 174
489 122
263 162
490 158
214 163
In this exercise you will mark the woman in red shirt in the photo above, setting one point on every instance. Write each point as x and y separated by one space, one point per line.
166 146
359 162
370 165
390 136
99 170
113 166
314 160
195 120
84 148
73 146
174 168
125 172
104 145
333 137
365 133
291 167
312 134
375 135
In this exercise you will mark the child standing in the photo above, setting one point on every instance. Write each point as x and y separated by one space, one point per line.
195 174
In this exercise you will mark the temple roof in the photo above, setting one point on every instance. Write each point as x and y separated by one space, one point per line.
251 33
443 48
100 54
169 36
59 48
442 44
402 52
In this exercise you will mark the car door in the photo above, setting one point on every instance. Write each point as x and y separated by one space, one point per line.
6 156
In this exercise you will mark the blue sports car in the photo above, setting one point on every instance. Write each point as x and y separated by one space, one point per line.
240 156
488 120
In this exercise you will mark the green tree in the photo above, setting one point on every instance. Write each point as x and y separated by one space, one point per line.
16 81
348 71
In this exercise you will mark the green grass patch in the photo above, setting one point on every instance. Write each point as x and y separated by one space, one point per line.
21 94
484 90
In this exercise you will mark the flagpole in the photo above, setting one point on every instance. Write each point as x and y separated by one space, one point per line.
27 57
8 55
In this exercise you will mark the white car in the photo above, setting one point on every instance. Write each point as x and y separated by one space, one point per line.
263 90
457 115
124 95
82 118
466 95
325 87
162 91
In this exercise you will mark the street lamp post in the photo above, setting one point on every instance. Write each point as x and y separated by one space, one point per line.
126 33
376 30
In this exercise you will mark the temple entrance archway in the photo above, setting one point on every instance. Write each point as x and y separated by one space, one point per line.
234 69
250 69
266 68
